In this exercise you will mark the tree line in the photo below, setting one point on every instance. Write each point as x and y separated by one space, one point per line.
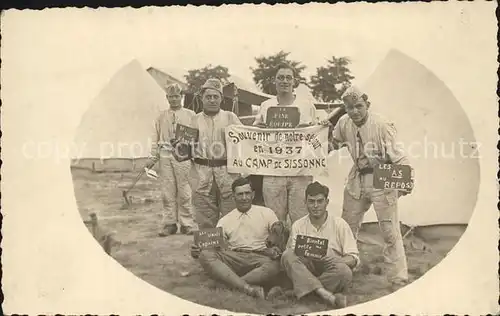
327 84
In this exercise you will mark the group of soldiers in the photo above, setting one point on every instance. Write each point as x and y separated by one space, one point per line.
217 198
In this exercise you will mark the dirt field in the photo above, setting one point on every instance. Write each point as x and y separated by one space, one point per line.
166 263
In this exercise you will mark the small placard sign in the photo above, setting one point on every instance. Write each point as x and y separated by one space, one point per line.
311 247
390 176
209 238
185 133
185 136
282 117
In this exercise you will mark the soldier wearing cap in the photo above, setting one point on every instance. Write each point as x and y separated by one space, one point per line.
212 195
371 140
176 191
283 194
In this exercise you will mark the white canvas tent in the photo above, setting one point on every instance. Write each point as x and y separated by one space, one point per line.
249 90
169 75
426 115
115 132
304 93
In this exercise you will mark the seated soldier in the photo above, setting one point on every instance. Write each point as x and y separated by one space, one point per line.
329 276
247 263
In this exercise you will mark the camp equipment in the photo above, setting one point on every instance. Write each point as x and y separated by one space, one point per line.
151 173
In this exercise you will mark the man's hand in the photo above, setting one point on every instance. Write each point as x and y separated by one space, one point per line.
325 123
195 251
350 261
304 125
409 190
154 159
402 193
273 252
174 142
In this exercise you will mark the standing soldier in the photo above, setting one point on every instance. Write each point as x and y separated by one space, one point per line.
212 196
176 191
284 194
371 140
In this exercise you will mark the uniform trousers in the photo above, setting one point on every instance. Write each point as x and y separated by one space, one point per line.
308 274
213 196
239 269
176 192
286 196
385 204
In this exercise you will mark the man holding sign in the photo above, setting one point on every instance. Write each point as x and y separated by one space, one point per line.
212 197
371 141
176 191
283 194
246 263
321 251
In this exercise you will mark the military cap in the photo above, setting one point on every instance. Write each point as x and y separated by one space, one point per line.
355 93
214 84
173 88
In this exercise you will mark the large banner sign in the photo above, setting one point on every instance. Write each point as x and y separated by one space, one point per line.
277 152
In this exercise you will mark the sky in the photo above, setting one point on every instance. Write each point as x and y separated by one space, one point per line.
67 55
87 47
97 43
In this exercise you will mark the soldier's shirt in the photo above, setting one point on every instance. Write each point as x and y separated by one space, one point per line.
212 145
212 133
166 124
371 144
336 230
248 231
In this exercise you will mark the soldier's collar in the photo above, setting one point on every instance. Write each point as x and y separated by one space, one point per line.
213 115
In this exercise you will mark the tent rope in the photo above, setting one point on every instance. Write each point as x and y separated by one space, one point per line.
409 231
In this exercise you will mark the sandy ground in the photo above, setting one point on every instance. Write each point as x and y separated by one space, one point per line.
166 263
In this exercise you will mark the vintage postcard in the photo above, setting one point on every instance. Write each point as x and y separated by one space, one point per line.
250 159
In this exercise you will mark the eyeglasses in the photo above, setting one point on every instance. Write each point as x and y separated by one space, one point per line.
283 77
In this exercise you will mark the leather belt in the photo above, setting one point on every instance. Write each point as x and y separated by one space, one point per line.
211 162
366 170
260 252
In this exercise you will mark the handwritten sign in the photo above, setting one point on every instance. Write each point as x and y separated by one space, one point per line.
277 152
390 176
186 134
282 117
209 238
311 247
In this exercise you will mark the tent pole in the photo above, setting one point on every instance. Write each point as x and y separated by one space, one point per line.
236 107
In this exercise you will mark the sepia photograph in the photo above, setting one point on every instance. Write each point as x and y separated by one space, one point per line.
259 159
